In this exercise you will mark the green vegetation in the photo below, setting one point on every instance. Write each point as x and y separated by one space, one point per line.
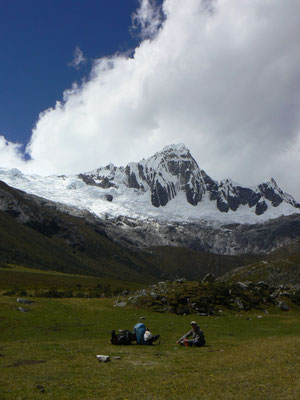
24 281
275 270
77 249
50 352
80 247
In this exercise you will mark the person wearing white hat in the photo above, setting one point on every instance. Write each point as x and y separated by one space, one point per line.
198 338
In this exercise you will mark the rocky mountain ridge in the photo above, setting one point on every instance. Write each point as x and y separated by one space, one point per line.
223 239
173 170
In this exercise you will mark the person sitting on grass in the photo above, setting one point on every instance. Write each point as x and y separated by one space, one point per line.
197 334
140 334
143 334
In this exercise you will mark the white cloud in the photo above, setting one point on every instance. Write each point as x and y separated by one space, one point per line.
222 77
78 58
147 19
10 154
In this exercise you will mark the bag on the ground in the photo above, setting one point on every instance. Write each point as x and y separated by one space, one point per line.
139 330
147 335
123 338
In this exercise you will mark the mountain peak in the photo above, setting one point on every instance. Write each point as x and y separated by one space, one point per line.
179 148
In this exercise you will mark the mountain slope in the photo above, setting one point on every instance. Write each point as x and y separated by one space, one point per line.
36 233
276 269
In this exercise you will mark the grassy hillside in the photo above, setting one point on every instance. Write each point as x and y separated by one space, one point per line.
27 281
81 248
50 353
184 262
281 267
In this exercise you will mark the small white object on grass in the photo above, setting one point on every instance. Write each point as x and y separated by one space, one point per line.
103 358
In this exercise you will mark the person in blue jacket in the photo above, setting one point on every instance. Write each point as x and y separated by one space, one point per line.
143 334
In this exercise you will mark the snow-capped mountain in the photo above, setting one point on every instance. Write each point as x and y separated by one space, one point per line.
167 186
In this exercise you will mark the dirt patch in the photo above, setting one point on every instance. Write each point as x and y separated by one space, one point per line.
20 363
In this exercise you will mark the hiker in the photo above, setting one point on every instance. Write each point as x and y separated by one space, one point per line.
143 334
197 334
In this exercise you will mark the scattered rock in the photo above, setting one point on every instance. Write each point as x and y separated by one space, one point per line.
242 285
116 358
262 284
23 309
142 317
103 358
208 278
192 297
24 301
120 304
239 303
283 306
109 197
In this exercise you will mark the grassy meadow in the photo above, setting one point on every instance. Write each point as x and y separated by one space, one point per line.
50 353
29 281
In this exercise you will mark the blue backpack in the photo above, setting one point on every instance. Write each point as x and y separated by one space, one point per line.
139 330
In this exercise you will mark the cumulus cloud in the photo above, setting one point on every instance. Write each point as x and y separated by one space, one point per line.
147 19
221 76
10 154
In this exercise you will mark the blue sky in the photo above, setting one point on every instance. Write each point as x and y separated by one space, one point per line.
37 42
220 76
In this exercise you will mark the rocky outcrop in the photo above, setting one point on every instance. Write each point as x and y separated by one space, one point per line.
233 239
212 298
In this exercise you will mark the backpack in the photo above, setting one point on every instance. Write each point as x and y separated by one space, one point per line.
124 338
139 330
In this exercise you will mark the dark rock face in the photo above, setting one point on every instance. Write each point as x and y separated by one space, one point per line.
260 208
132 182
270 194
222 205
159 195
233 239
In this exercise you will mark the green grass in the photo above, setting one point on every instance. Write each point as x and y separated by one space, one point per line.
55 346
29 279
